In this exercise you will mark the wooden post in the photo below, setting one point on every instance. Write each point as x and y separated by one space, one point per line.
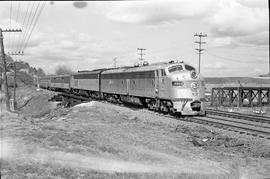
212 97
219 96
249 97
268 100
14 87
260 98
231 97
3 58
239 97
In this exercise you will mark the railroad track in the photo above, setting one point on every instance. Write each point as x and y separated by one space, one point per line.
241 126
253 125
249 117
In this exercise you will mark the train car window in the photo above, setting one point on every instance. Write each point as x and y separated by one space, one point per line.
163 72
157 73
175 68
189 68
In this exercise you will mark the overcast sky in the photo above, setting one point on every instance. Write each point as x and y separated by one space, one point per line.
92 36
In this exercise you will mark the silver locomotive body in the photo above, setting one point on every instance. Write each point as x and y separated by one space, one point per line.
167 87
187 89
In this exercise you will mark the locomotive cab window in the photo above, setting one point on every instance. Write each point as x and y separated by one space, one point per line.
175 68
189 68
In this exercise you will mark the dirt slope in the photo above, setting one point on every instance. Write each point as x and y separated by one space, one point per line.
102 140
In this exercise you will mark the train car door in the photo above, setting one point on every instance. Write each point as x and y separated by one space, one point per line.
161 82
157 83
128 86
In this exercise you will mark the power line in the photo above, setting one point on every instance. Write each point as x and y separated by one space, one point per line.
241 54
23 24
200 47
29 29
25 29
9 35
230 59
13 40
35 23
28 25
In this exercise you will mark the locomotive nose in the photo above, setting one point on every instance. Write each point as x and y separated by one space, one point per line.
195 106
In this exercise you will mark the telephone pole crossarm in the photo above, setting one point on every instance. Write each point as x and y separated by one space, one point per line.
200 47
141 54
12 30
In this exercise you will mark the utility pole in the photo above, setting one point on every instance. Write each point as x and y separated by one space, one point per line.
3 58
200 47
15 78
14 86
141 54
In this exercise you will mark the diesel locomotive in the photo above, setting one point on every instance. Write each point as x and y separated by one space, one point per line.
172 87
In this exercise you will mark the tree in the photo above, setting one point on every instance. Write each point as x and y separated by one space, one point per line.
40 72
62 70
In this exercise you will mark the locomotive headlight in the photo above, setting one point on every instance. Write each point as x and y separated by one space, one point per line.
193 75
194 85
178 83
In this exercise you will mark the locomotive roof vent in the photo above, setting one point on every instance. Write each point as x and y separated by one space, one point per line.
136 64
145 63
175 61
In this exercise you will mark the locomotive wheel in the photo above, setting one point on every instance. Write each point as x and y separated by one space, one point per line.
166 110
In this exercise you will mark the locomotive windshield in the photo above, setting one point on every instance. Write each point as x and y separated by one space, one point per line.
189 68
175 68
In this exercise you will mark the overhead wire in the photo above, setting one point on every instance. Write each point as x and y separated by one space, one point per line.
12 35
230 59
35 23
23 24
242 54
10 15
29 26
17 20
25 30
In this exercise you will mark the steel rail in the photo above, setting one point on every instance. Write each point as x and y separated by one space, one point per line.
249 117
235 124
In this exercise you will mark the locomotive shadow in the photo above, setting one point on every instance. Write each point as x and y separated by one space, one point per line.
66 101
69 101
